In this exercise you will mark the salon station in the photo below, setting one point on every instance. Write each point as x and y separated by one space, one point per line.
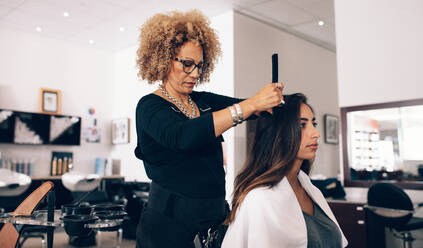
69 91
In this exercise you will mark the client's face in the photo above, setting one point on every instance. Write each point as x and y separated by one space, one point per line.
309 134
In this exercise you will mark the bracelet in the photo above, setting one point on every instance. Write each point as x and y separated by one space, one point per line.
234 116
239 112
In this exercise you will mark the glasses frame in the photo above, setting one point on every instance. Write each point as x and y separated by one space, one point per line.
201 69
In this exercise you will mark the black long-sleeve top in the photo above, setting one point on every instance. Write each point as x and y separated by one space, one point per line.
181 154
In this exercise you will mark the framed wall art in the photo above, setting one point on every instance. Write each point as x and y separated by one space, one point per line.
120 131
331 129
50 101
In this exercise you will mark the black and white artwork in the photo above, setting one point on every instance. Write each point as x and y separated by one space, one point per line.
331 129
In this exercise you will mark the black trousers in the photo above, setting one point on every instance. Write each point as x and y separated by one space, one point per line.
173 220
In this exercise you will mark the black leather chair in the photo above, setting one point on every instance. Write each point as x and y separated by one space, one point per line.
393 208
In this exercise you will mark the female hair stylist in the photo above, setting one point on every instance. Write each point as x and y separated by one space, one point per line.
179 130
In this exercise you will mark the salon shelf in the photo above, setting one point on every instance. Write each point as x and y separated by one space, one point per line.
63 195
39 218
60 177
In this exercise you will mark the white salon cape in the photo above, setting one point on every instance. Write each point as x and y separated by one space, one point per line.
272 217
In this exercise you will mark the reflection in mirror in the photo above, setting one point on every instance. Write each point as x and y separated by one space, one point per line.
384 142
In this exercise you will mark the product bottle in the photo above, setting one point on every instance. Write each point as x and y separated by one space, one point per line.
30 167
54 166
19 166
59 166
25 167
65 165
70 164
13 165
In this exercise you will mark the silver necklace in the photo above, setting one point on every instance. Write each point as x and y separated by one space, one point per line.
180 105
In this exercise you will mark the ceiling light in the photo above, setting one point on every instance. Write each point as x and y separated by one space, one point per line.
91 42
122 29
65 14
321 23
38 29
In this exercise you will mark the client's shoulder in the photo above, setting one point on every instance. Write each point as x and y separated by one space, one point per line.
255 199
265 194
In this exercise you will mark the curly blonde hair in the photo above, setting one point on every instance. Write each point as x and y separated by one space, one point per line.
162 36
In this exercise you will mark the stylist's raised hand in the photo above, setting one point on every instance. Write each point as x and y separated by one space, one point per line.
267 98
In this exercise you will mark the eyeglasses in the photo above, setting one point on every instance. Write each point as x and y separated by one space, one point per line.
189 65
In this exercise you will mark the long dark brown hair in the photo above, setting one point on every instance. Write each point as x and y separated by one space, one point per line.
273 152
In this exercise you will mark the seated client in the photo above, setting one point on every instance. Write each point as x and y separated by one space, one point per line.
274 202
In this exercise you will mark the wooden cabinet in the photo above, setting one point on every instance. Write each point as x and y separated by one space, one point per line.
351 218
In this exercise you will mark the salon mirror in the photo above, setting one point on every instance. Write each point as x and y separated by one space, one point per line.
383 142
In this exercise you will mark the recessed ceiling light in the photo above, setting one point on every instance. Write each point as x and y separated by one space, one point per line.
65 14
321 23
38 29
122 29
91 42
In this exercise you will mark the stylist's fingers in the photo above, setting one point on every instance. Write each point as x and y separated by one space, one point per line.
268 97
272 95
280 86
270 111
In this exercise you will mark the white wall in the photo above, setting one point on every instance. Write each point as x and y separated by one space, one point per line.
303 67
379 51
127 90
83 74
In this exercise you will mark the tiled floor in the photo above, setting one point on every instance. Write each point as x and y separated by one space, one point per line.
61 240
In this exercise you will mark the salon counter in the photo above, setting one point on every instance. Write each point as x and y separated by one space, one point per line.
351 216
359 196
60 177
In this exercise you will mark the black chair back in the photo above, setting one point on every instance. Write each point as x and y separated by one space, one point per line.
389 196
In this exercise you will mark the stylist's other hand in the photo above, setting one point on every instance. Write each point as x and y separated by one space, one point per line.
268 97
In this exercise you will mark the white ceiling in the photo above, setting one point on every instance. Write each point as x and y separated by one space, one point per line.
101 20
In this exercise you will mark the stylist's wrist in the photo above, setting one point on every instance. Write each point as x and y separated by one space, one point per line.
248 107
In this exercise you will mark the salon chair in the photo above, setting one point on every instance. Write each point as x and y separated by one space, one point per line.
10 234
82 187
13 184
135 194
392 207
